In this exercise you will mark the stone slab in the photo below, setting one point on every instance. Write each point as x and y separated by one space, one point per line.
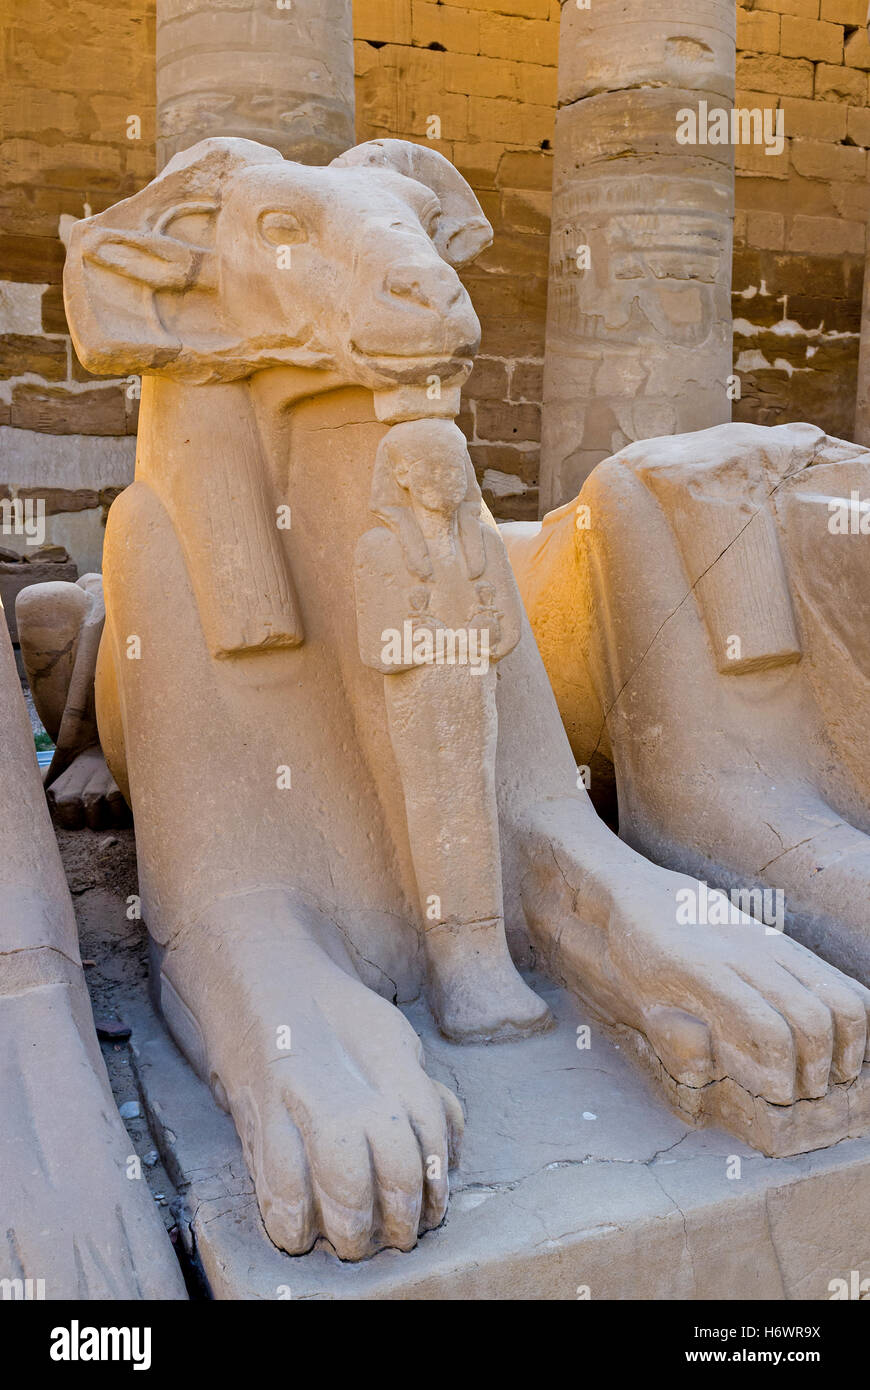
574 1176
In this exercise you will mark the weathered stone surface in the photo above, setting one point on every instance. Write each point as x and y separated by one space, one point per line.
754 620
602 917
524 40
59 499
569 1178
817 120
72 461
826 236
815 159
857 53
238 619
811 38
14 578
283 77
80 373
848 85
757 30
848 12
497 421
20 307
674 42
385 21
488 380
527 381
53 410
638 316
760 72
72 1218
807 9
22 353
53 313
517 461
37 259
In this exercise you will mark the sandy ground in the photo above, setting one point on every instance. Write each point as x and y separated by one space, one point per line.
101 872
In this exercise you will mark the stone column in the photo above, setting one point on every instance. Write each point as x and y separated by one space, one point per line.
277 71
638 341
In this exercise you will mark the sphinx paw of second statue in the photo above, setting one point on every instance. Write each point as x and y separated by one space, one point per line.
740 1024
86 794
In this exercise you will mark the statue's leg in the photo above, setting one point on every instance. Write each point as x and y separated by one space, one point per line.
747 771
59 626
443 727
71 1211
345 1134
712 1001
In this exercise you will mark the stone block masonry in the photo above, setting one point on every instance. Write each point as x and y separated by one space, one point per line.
77 121
800 225
487 70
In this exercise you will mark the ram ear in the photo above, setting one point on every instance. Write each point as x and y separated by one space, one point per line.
462 231
140 278
153 259
112 278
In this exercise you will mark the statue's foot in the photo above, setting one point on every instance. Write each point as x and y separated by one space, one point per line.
781 844
86 794
475 990
345 1135
75 1212
713 1002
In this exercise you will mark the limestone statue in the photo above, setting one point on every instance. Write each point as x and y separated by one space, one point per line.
75 1222
303 336
441 712
60 626
728 698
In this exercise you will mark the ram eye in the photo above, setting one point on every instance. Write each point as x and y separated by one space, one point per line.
281 229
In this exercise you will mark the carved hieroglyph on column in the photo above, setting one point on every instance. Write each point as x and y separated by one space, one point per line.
281 855
277 72
437 608
73 1219
638 309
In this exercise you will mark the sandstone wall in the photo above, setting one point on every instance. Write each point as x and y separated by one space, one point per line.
801 216
73 74
74 71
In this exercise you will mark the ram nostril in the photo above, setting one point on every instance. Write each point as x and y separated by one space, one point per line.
405 287
431 289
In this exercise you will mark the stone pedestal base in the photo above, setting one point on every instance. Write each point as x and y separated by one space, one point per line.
574 1176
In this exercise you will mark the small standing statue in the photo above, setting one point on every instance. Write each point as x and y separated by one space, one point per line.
437 608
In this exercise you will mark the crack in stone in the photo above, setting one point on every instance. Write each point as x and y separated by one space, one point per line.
783 852
688 594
